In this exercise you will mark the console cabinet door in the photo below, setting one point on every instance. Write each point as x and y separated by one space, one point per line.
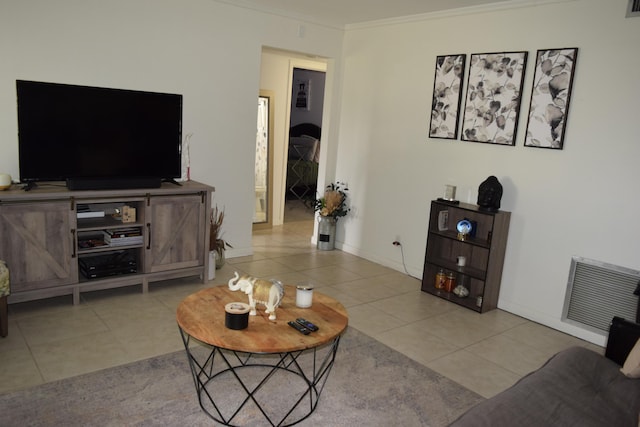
175 228
37 240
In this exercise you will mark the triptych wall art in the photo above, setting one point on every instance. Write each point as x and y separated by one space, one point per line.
493 97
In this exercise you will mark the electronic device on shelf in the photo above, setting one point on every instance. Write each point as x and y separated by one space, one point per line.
109 264
97 138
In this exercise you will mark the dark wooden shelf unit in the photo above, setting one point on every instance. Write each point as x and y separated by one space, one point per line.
484 253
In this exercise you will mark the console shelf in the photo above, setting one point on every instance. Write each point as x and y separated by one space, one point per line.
44 243
484 253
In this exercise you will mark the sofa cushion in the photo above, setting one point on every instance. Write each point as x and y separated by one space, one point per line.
631 367
576 387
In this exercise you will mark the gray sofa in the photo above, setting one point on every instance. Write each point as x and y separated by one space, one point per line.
576 387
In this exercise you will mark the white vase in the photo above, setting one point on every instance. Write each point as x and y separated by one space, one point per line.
212 265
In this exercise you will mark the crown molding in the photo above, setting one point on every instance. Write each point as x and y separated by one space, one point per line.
492 7
471 10
283 13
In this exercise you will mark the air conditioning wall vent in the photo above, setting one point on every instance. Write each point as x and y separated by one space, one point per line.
596 292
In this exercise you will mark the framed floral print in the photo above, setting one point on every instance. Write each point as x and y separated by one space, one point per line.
552 83
492 105
447 96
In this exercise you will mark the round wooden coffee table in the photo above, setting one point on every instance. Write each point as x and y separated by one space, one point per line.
269 371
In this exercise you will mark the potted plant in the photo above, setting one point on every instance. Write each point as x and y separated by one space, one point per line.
331 206
217 244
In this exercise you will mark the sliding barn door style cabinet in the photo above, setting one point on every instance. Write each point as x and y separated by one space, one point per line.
58 242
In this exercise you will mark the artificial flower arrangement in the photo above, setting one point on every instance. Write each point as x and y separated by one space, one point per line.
334 202
216 243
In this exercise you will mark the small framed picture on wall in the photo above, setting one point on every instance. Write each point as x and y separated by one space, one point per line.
303 94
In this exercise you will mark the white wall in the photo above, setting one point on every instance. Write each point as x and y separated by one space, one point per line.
582 200
208 51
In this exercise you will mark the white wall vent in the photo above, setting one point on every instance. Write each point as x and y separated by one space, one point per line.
633 9
597 292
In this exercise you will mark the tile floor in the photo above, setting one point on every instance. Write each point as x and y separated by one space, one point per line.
53 339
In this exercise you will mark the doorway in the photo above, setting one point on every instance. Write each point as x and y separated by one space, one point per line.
276 75
305 131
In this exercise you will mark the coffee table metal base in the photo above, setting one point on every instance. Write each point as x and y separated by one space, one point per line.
219 374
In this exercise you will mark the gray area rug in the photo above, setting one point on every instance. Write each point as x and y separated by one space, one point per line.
370 385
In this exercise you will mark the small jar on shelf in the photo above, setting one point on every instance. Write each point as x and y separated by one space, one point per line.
440 279
450 282
461 290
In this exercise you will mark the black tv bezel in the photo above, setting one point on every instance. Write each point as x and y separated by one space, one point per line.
132 176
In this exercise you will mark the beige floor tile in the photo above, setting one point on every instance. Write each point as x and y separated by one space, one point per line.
264 268
477 374
344 298
367 290
331 275
401 282
14 339
124 298
459 326
124 316
150 338
187 285
256 256
308 261
513 355
75 356
413 306
298 277
18 370
60 325
498 320
414 342
338 257
365 268
45 306
543 338
172 300
372 321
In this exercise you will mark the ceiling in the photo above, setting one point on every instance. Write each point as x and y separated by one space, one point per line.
338 13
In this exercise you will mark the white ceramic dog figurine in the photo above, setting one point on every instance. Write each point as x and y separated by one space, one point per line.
267 292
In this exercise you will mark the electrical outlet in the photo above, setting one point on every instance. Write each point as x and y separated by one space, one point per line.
396 243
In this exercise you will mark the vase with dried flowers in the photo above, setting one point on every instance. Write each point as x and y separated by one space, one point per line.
330 207
217 244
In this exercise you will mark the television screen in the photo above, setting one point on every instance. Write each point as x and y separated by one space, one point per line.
81 132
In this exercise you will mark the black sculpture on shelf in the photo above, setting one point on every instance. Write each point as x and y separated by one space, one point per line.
490 194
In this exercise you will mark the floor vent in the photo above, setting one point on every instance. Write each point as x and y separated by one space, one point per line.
597 292
633 9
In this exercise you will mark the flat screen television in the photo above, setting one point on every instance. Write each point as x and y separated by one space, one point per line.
94 138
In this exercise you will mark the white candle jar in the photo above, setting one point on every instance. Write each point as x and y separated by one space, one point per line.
304 296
